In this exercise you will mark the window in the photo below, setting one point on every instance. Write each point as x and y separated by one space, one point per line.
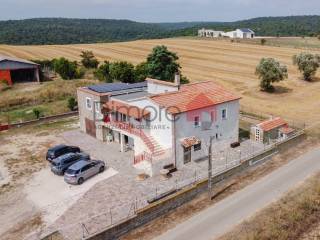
97 107
88 103
197 147
85 168
197 121
224 114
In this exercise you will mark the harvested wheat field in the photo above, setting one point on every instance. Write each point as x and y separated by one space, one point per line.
231 64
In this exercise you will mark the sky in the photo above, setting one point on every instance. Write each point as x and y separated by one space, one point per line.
157 10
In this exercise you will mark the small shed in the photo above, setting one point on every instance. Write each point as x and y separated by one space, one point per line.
272 129
16 70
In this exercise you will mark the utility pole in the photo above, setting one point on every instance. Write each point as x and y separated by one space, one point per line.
210 168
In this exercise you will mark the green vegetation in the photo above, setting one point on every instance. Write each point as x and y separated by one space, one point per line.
269 71
4 85
160 64
69 31
122 71
67 69
89 60
72 103
36 112
263 41
308 64
103 72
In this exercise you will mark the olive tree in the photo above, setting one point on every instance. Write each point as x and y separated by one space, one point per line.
269 71
307 63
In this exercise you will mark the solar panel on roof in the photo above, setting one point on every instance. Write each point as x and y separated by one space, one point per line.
113 87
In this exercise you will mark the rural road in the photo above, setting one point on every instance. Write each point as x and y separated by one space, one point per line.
221 217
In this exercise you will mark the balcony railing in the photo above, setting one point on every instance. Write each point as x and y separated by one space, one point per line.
129 128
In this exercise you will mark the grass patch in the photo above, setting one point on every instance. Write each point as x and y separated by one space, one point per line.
26 113
289 218
33 95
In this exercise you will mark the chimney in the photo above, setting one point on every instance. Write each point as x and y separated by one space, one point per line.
177 79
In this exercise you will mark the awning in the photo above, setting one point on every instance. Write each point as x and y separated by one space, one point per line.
129 110
286 130
190 141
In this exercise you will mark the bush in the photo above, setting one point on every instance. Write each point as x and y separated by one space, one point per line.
72 103
122 71
103 72
263 41
66 69
36 112
89 60
141 72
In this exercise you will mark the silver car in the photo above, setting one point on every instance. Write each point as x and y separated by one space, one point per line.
82 170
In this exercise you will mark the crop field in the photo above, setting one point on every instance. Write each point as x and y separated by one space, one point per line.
230 64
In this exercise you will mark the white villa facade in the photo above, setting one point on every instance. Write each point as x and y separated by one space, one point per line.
163 123
244 33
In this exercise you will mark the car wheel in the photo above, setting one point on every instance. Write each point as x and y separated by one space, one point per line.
101 169
80 181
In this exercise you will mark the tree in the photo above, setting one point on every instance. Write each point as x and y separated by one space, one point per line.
162 64
89 60
141 72
67 69
122 71
263 41
318 37
72 103
308 64
103 72
269 71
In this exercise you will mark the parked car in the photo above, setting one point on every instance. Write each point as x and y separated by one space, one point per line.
60 150
60 165
82 170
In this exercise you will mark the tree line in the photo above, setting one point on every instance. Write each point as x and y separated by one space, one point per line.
70 31
160 64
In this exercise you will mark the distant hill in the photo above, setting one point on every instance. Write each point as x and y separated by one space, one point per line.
70 31
265 26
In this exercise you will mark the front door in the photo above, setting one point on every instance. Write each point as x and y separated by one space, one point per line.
186 155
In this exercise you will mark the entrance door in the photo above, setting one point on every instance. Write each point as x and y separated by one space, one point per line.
186 155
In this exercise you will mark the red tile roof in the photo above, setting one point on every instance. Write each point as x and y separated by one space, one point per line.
126 109
272 124
194 96
286 130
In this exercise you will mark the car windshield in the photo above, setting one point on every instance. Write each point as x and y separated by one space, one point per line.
55 163
72 171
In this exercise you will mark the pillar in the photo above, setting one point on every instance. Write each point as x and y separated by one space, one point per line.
122 143
36 73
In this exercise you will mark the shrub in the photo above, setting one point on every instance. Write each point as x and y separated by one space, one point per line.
263 41
65 68
122 71
72 103
103 72
89 60
36 112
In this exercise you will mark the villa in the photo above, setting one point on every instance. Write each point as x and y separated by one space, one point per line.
163 123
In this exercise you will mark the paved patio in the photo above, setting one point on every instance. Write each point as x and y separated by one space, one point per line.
116 198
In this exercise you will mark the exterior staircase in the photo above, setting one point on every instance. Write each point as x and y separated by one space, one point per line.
154 147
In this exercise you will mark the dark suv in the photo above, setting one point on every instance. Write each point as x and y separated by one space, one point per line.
61 164
60 150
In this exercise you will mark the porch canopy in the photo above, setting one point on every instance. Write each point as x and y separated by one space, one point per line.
190 141
124 108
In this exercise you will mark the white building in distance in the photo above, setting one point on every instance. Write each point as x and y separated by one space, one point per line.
244 33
